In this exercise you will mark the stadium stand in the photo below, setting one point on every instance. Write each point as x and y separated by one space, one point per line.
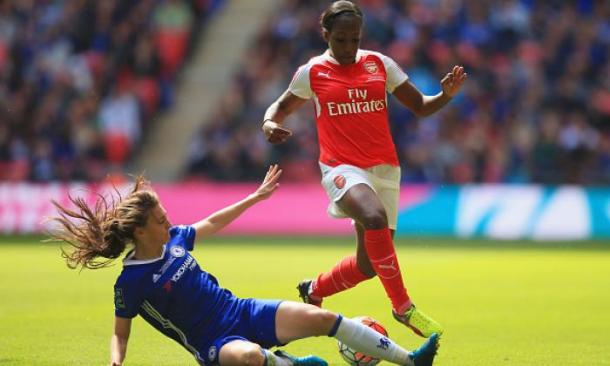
81 80
536 107
164 151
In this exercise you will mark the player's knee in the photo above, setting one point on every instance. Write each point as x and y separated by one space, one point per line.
252 355
374 220
322 320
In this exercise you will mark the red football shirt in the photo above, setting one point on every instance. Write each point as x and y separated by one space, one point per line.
351 107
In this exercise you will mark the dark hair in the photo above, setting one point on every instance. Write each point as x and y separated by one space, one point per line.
104 230
327 19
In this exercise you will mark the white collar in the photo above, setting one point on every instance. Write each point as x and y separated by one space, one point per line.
127 261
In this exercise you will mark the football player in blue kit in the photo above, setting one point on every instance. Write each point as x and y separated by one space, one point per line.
163 283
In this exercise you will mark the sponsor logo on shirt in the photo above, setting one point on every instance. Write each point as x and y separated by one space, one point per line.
359 103
190 260
325 74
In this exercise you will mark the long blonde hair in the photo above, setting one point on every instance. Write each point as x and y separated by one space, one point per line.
98 235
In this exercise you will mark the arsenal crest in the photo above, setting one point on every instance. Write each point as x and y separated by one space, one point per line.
371 67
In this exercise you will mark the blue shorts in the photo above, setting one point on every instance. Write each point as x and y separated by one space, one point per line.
256 325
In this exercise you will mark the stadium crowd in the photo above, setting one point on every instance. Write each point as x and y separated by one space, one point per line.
535 108
81 79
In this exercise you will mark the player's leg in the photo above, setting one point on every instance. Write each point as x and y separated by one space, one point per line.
368 208
245 353
257 326
362 204
296 321
388 191
347 272
241 352
362 258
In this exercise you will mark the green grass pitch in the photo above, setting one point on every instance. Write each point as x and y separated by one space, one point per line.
501 304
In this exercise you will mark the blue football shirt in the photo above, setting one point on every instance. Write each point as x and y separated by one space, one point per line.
176 296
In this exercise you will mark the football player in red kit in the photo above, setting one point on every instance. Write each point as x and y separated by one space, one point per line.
358 160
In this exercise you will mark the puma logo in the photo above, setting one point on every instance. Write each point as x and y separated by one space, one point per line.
325 74
388 266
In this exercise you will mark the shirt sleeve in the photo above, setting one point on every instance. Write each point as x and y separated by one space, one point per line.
127 300
300 84
394 74
186 233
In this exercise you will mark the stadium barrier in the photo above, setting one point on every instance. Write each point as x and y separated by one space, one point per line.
491 211
509 212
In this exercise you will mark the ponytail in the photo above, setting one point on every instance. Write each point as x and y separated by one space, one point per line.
98 236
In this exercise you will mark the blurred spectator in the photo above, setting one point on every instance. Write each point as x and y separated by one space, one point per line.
172 22
536 106
79 78
119 123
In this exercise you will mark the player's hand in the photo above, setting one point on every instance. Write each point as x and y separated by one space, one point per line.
275 133
270 183
452 82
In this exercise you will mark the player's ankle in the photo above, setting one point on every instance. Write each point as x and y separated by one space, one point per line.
311 291
315 298
401 310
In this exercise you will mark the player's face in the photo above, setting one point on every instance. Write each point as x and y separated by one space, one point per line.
157 226
344 39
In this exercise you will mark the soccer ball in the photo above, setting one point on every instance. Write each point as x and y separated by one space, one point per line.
355 358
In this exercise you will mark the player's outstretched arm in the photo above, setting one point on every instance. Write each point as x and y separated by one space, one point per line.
118 342
218 220
275 115
425 105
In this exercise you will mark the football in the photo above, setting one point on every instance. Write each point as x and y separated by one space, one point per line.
355 358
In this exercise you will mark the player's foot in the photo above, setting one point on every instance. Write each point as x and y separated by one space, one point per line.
419 322
424 355
310 360
304 288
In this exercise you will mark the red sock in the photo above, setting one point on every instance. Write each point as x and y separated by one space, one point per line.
380 249
342 276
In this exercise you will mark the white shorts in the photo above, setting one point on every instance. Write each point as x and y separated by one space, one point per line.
383 179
